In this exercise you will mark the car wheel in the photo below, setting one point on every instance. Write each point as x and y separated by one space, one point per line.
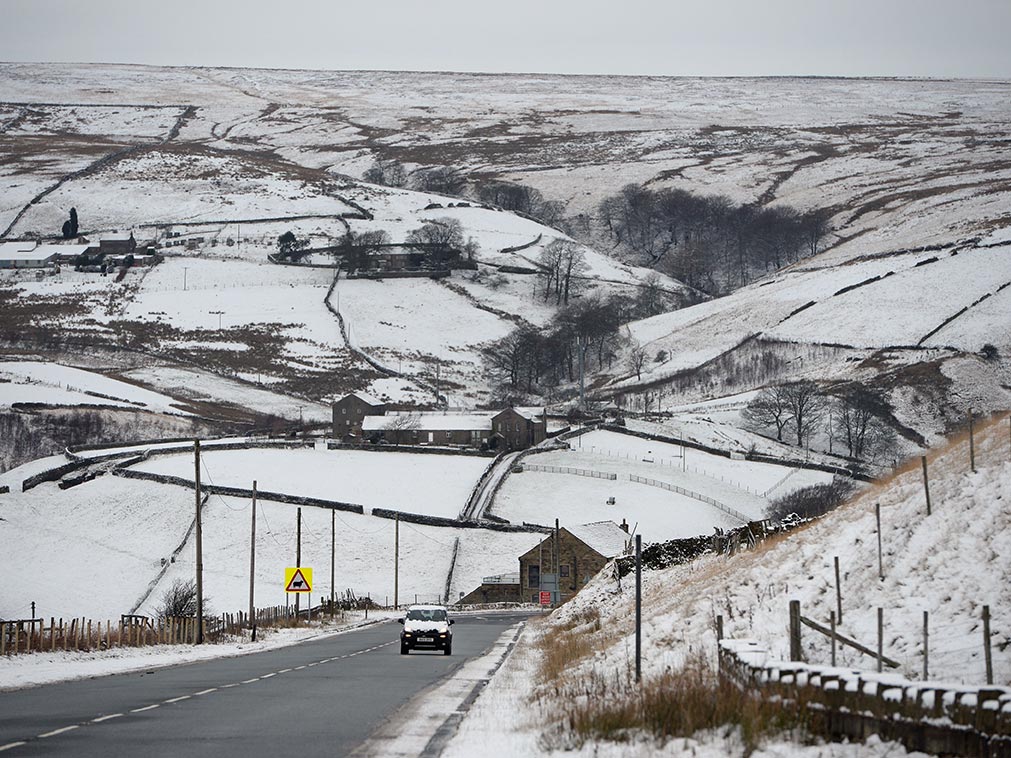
404 650
448 649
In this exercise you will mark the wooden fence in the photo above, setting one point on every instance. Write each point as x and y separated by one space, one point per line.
84 634
693 495
927 716
568 470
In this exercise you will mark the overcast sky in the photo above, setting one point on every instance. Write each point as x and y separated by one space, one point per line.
936 38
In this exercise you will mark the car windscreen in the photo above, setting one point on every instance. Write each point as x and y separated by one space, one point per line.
426 615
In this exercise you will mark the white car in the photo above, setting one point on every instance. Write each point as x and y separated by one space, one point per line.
426 627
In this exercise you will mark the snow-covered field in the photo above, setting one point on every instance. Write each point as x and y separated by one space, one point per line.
53 384
744 486
436 485
114 537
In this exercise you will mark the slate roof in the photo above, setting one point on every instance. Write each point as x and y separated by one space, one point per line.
606 537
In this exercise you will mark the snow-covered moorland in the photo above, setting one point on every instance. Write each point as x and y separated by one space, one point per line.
949 564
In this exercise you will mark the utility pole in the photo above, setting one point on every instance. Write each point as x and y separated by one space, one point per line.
333 555
638 607
200 545
396 563
557 599
298 556
252 555
185 269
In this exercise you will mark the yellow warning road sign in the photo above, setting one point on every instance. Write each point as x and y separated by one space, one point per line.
298 579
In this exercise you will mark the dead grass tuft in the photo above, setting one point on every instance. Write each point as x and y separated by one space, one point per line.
676 704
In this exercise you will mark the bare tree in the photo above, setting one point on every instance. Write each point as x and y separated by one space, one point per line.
807 407
441 179
636 360
356 247
442 237
180 600
389 173
401 423
769 408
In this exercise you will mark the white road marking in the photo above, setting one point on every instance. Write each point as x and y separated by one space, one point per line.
299 668
146 708
226 686
206 692
284 671
58 731
10 745
176 699
100 719
267 676
249 681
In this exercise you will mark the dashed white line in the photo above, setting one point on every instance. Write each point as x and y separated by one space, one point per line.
206 692
58 731
146 708
267 676
299 668
11 745
284 671
176 699
249 681
100 719
227 686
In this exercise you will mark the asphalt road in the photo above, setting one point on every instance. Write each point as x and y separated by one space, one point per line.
322 697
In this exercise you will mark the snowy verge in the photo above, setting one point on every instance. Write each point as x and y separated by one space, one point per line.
506 720
34 669
422 727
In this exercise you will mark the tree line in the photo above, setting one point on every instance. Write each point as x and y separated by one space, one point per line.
707 241
853 416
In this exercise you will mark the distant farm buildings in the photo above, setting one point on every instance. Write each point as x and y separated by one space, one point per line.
560 565
110 250
358 417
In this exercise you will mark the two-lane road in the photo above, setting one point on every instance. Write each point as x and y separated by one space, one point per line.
322 697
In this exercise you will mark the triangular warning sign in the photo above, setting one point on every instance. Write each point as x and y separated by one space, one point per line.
299 582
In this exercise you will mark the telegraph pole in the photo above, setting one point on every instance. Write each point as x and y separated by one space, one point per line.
298 556
396 564
333 555
200 545
252 555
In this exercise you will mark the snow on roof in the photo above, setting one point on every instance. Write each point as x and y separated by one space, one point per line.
63 249
606 537
14 247
39 254
366 397
116 237
434 422
530 412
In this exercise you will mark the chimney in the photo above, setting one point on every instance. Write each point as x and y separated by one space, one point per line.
624 526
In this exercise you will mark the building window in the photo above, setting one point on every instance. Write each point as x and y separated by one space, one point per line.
535 598
563 570
344 411
533 575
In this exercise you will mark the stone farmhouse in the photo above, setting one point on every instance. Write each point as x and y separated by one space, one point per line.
358 417
581 552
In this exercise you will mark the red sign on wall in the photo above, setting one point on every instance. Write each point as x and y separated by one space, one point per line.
545 598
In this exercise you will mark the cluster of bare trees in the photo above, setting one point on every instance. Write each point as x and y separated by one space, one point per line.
855 417
708 242
522 199
444 180
562 264
583 335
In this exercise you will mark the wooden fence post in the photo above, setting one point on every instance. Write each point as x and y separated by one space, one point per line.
794 630
3 638
838 592
926 645
877 515
987 653
881 638
926 482
831 621
972 444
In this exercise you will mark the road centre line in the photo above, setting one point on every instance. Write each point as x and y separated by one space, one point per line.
59 731
109 717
